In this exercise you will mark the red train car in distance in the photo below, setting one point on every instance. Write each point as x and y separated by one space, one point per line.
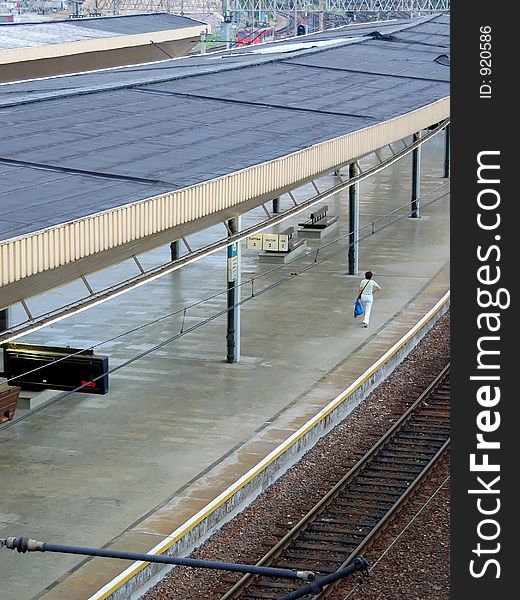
249 35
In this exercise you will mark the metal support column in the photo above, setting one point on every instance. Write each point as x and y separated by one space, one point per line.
276 206
353 222
447 151
175 250
233 295
4 326
416 178
4 319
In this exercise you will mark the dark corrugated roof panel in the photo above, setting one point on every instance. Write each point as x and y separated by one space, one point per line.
105 139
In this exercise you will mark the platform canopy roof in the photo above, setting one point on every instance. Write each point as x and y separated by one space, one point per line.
43 33
127 158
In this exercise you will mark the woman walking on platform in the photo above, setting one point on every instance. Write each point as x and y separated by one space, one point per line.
367 289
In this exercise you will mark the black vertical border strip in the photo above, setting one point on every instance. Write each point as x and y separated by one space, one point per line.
482 124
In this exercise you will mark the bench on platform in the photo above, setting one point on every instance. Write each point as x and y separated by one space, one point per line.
319 219
318 225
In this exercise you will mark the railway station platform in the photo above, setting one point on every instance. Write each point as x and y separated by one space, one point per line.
179 425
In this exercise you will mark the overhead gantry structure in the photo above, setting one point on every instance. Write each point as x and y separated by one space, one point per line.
225 6
144 157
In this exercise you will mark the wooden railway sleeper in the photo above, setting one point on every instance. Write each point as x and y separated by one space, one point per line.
369 489
346 519
316 557
336 545
366 501
333 535
423 438
383 487
425 422
406 443
378 472
369 498
401 459
319 566
397 472
379 482
428 429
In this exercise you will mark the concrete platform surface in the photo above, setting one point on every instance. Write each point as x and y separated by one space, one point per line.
179 424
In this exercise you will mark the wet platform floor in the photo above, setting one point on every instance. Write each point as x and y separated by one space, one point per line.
180 424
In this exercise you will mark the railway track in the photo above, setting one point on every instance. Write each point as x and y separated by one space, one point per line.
343 524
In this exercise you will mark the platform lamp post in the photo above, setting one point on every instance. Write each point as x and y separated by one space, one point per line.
295 17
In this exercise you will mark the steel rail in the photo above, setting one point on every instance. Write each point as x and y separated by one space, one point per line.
367 541
304 522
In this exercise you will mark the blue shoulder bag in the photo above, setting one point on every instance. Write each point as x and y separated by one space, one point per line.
358 308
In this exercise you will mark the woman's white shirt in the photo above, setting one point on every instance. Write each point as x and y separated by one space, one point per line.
371 286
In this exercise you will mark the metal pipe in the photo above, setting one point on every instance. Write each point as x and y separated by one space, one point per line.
317 585
24 544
